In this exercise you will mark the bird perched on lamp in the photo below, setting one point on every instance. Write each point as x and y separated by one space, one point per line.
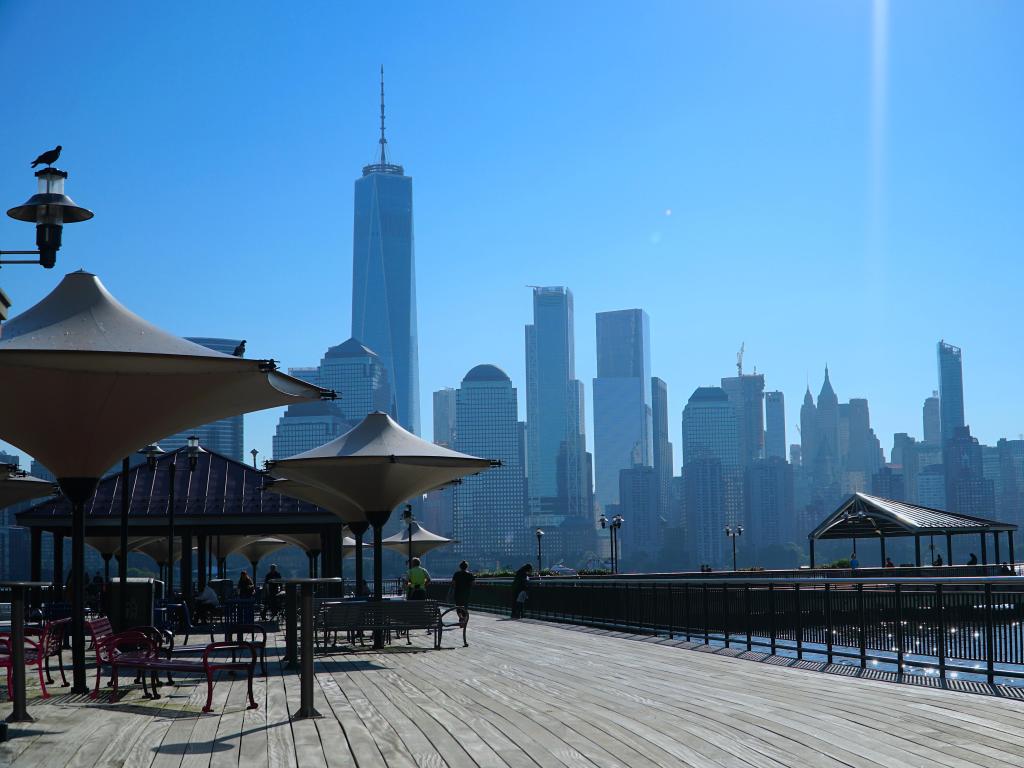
49 158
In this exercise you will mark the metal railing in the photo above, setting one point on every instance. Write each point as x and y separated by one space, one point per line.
940 626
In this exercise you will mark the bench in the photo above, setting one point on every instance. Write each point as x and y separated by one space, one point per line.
133 650
101 628
38 652
383 616
231 630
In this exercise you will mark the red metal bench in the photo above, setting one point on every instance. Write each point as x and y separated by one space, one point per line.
257 638
37 653
133 650
100 629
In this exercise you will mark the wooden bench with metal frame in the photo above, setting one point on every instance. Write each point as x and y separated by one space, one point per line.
384 616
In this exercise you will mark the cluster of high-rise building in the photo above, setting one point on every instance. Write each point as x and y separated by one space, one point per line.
735 467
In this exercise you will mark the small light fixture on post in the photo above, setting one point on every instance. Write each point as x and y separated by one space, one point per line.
254 453
540 535
408 519
733 533
49 209
616 523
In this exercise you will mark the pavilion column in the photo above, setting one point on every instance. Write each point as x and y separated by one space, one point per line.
995 537
222 567
325 549
106 566
358 529
334 549
810 542
186 563
984 550
201 560
881 541
949 549
917 550
58 564
1009 543
35 565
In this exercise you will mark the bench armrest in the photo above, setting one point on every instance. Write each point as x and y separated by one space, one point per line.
231 644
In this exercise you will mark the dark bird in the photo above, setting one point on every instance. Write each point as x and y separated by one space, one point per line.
240 349
49 158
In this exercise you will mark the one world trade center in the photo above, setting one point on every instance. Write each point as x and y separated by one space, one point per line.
384 276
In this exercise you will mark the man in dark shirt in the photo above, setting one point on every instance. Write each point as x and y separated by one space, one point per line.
462 583
520 583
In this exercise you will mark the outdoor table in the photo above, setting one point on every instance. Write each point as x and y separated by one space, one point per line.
306 708
17 649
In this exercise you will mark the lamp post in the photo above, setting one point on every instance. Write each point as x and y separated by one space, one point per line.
408 519
50 209
613 526
540 535
254 454
732 533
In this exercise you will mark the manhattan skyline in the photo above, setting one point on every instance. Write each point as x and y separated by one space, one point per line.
751 227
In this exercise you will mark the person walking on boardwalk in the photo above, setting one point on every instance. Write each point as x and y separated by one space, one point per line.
519 595
418 579
462 583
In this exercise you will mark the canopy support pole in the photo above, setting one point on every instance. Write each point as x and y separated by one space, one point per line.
122 559
36 562
78 490
186 564
1009 542
810 540
201 560
377 520
358 529
995 536
984 549
57 572
881 541
949 549
917 550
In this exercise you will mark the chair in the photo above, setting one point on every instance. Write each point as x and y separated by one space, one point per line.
37 652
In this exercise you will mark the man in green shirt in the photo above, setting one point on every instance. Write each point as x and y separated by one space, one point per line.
418 579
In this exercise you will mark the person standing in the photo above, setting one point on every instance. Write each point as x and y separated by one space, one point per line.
519 592
271 592
418 579
854 562
246 587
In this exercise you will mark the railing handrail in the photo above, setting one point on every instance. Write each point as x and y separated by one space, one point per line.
568 581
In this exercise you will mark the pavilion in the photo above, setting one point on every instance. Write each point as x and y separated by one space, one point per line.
871 517
221 497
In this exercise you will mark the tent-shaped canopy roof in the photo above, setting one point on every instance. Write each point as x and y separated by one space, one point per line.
422 540
864 516
87 381
16 486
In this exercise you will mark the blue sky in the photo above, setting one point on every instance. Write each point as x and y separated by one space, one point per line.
827 181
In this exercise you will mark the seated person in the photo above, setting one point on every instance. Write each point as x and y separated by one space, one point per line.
207 604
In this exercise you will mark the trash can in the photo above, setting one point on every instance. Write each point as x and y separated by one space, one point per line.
141 596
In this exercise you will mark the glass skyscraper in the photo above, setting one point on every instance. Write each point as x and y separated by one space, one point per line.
490 514
444 416
384 277
554 407
775 425
951 390
225 436
622 400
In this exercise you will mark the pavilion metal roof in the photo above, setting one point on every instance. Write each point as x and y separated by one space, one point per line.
863 515
221 494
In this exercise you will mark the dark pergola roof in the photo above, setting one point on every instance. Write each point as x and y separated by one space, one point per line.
220 496
864 516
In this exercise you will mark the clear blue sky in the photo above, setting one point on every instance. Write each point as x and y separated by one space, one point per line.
845 179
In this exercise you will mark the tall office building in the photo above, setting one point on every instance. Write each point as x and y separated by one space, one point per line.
489 514
768 503
622 400
444 417
932 419
305 426
225 436
361 380
712 472
554 407
663 462
384 276
746 393
774 425
951 390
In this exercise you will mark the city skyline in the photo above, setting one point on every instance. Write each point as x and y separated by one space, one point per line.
681 222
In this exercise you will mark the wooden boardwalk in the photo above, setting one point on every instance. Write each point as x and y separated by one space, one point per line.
533 694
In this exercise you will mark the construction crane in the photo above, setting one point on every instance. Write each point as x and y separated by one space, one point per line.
739 359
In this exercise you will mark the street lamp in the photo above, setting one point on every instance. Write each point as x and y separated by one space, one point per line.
50 209
254 453
540 535
613 526
732 533
408 519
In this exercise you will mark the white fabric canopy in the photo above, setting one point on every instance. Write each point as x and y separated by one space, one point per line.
156 548
377 465
324 498
257 549
222 546
87 382
15 488
422 540
307 542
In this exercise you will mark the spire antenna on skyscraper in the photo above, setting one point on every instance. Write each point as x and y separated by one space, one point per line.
383 141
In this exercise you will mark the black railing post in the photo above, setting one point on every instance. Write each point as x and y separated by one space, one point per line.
670 607
828 621
771 616
725 612
707 619
990 651
862 616
941 624
686 604
799 622
899 630
750 619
